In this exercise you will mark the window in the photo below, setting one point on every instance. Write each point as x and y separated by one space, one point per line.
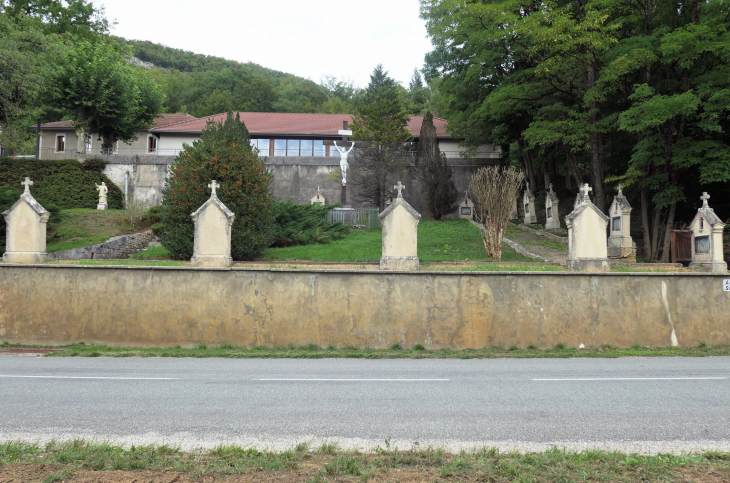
466 210
305 147
527 208
88 143
616 224
60 143
550 212
702 245
151 144
292 147
279 147
262 145
318 148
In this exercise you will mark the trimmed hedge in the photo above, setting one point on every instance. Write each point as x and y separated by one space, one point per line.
66 183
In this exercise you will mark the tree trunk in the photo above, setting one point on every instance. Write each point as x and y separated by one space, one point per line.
668 233
528 165
655 234
574 168
599 188
81 141
645 222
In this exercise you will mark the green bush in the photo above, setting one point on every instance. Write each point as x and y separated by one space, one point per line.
296 224
223 154
66 183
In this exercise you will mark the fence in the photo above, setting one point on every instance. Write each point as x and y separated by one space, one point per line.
358 217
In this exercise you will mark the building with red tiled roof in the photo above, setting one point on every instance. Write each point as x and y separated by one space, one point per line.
274 134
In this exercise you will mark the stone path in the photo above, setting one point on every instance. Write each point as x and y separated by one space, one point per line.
555 251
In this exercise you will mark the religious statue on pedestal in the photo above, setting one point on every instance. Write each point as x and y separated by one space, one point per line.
103 190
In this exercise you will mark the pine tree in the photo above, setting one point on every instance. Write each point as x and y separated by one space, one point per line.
223 154
380 120
434 173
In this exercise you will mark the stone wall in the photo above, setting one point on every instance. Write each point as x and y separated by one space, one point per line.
166 306
113 249
295 178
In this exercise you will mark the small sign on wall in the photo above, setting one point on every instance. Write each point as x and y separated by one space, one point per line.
726 285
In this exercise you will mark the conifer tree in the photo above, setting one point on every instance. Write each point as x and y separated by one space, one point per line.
380 120
434 173
224 154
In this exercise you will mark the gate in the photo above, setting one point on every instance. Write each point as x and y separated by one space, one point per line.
681 246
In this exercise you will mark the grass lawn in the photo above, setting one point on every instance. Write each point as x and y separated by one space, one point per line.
81 227
93 461
438 241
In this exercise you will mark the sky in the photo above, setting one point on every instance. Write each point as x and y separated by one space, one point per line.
308 38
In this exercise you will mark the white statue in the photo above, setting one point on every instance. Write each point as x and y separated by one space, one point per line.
343 160
103 190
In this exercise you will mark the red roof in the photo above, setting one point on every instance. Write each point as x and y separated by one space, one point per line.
163 120
259 123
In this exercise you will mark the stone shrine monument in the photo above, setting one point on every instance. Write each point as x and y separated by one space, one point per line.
212 243
25 239
552 214
103 190
317 199
513 215
528 201
587 245
707 246
466 208
620 244
400 235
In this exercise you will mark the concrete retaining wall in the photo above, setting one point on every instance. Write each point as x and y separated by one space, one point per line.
115 248
295 178
165 306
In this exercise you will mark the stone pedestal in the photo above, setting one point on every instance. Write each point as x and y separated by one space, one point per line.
212 243
101 207
552 213
528 201
620 244
707 240
25 239
587 245
400 235
466 209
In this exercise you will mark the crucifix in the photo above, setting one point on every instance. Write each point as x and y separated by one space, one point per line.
28 183
344 147
213 185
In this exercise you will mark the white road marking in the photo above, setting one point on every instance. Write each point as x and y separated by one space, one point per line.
635 379
96 377
350 380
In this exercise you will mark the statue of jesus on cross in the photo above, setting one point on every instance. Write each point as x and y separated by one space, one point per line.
344 153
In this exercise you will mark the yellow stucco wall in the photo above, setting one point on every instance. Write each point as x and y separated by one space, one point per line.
165 306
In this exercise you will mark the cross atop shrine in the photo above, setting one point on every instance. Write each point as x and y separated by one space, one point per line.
704 199
550 187
620 189
584 190
28 183
213 185
399 187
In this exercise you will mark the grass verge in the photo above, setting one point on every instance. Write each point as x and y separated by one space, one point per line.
65 461
313 351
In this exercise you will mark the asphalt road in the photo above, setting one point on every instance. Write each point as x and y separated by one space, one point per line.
632 404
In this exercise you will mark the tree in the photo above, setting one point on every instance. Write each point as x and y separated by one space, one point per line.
224 154
494 190
380 120
418 94
104 94
26 60
76 17
434 173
